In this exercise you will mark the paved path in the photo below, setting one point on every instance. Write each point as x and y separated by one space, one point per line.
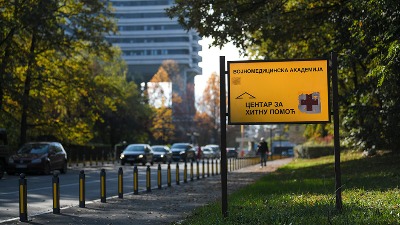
165 206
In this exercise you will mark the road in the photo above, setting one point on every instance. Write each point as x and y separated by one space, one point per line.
40 194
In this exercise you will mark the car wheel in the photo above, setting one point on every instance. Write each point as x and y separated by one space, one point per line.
122 163
64 168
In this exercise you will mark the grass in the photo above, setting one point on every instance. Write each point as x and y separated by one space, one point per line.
302 192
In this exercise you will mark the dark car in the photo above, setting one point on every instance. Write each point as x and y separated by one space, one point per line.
183 151
137 153
231 153
38 157
162 153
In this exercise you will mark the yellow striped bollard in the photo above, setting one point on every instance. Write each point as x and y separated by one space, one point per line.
159 178
169 175
212 167
208 167
135 181
103 185
56 194
120 183
148 179
216 166
203 169
177 174
185 173
197 170
191 170
23 196
82 189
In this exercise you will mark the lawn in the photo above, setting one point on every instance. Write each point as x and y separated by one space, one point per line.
302 192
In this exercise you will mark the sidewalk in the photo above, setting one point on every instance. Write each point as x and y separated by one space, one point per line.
165 206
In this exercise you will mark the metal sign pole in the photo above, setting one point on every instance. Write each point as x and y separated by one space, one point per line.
338 182
224 171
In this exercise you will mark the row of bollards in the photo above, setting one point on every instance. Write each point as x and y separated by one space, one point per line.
234 164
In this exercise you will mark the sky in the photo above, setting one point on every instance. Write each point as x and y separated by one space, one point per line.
210 62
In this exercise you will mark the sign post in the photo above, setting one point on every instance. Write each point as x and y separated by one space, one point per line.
271 92
224 163
262 92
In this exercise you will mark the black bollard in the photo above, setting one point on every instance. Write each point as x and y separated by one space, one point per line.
103 185
185 173
208 167
148 179
197 170
23 196
191 170
177 174
169 175
82 189
135 181
203 169
159 179
120 183
56 194
212 167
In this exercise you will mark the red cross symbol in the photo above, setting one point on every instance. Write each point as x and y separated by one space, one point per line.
309 102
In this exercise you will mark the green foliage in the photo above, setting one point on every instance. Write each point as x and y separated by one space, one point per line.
60 77
311 151
363 33
303 193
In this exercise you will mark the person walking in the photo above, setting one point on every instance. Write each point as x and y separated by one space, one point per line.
263 150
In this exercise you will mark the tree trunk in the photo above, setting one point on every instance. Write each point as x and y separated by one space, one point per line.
27 88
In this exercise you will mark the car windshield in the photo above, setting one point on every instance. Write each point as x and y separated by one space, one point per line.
214 147
34 149
179 146
158 149
135 148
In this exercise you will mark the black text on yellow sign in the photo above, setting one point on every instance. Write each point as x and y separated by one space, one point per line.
294 91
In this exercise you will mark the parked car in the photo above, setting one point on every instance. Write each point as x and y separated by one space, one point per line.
208 153
137 153
38 157
162 153
231 153
183 151
216 149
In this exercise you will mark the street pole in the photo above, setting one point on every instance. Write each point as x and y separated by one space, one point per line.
224 167
338 182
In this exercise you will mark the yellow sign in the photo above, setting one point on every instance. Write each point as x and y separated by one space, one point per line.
278 91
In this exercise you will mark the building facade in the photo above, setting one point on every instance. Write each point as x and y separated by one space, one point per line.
147 38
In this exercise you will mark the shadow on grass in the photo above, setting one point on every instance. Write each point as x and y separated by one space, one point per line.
305 195
379 172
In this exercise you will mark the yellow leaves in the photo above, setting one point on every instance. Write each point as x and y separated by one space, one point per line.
161 76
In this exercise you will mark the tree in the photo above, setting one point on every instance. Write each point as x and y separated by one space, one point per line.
40 34
163 129
180 107
204 125
363 33
210 105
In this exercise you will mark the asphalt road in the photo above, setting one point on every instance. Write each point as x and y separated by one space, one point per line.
40 192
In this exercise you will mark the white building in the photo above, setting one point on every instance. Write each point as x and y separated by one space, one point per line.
147 37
